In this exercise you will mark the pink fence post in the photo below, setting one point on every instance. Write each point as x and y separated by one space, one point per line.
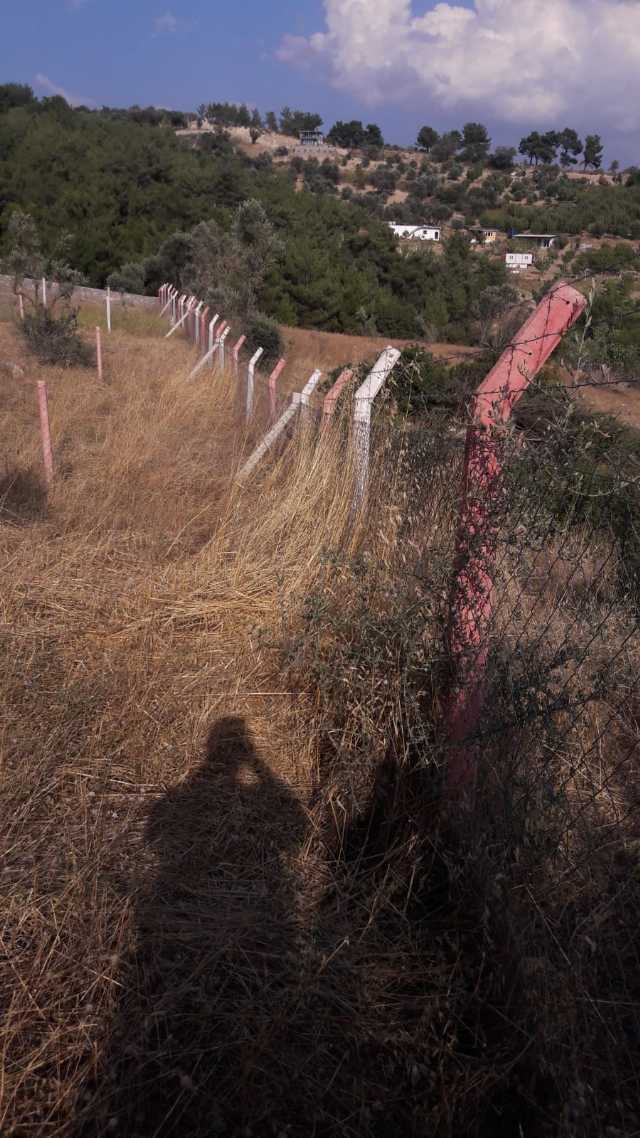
203 328
99 352
471 605
331 398
236 354
45 431
273 381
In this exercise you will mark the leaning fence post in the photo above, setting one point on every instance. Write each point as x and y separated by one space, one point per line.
331 398
99 352
168 302
270 438
45 431
216 344
180 322
212 324
236 353
307 392
471 603
273 380
251 370
21 305
196 322
221 349
365 396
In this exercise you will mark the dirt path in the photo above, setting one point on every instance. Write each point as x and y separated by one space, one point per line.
620 399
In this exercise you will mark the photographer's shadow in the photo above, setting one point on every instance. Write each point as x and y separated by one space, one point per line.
214 965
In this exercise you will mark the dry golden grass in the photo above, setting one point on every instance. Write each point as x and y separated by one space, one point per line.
229 903
133 604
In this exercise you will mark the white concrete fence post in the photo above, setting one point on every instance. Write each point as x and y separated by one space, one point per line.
270 438
196 325
212 324
108 301
187 309
365 396
221 346
44 292
251 371
307 392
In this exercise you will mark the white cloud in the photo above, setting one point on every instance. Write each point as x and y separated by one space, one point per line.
166 24
48 87
520 60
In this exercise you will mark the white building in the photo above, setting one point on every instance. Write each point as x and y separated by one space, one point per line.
480 236
415 232
311 138
541 240
518 262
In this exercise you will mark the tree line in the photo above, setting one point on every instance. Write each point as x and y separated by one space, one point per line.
473 144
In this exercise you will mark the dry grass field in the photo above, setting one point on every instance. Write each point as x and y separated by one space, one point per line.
230 900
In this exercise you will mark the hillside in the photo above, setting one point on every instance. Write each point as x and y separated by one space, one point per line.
131 194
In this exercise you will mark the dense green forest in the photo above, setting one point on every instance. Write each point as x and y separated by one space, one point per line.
121 186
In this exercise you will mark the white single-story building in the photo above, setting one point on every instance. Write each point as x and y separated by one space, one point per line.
481 236
542 240
518 262
311 138
415 232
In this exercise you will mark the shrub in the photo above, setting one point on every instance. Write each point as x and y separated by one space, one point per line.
130 278
263 332
421 383
54 339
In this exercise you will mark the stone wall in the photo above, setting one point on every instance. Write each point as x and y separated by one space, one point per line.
91 295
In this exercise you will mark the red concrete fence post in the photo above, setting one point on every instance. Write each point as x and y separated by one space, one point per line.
471 604
273 382
330 400
236 353
45 431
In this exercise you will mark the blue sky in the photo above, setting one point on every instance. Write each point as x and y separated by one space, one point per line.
514 64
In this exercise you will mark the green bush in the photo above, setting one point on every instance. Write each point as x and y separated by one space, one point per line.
54 339
422 384
262 332
587 460
130 278
611 258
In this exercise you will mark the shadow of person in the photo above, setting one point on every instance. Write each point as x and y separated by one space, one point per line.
212 970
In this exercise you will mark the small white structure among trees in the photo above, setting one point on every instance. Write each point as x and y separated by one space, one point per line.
415 232
518 262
